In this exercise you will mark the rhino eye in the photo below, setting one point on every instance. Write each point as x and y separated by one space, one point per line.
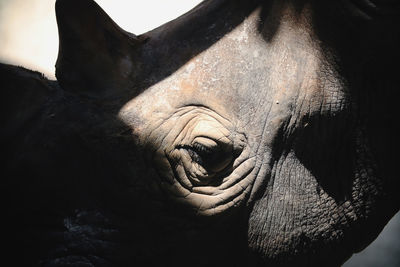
209 154
203 155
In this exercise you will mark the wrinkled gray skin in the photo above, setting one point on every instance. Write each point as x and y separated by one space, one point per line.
243 133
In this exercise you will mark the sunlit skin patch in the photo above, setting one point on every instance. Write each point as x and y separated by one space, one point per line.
200 160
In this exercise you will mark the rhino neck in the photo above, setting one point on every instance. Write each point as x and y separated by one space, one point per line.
362 61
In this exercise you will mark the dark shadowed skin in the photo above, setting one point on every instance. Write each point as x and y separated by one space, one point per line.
243 133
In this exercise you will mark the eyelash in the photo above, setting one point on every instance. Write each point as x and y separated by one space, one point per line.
198 152
201 149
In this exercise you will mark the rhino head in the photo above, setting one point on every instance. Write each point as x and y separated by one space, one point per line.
258 132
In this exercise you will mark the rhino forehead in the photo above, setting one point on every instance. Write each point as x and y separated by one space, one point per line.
242 69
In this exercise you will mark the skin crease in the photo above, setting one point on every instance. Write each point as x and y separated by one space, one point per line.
242 133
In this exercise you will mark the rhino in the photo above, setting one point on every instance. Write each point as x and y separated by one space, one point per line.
243 133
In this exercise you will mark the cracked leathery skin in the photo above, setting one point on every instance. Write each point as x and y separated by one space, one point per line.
256 133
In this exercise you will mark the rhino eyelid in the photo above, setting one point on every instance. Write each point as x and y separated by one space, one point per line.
218 141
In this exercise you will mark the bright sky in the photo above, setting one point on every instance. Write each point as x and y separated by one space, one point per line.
28 29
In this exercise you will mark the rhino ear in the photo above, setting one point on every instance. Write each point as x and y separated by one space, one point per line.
95 56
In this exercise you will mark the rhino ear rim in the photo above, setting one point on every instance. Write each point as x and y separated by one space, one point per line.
95 55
